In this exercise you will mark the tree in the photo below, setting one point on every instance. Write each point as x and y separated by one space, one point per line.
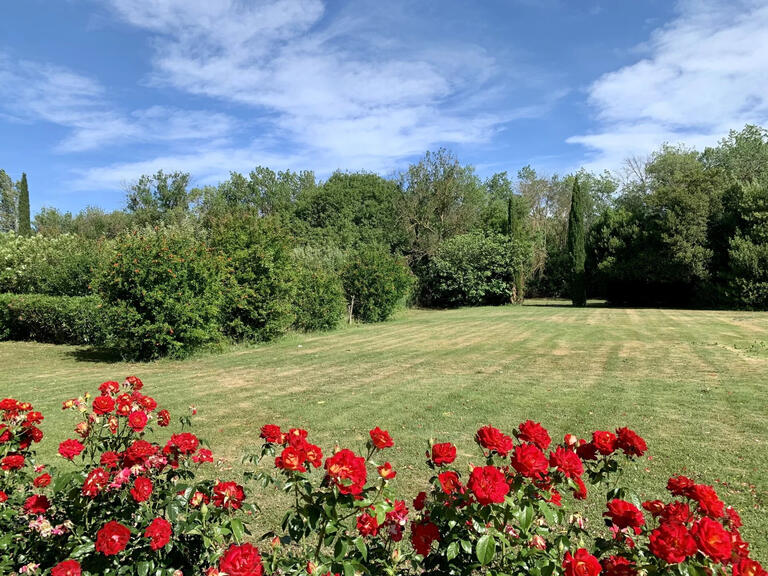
8 203
161 197
25 225
576 245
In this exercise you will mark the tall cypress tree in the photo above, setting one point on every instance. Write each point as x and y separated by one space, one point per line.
576 245
25 224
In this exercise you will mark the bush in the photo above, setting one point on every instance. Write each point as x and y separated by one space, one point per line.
260 286
476 270
54 319
125 504
164 287
319 303
374 281
59 266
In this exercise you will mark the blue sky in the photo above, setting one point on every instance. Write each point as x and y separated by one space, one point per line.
93 94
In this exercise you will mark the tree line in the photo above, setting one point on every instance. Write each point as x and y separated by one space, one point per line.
680 227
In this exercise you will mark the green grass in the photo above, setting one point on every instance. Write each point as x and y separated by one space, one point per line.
693 383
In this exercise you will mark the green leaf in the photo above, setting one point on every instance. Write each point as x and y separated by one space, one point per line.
142 568
236 525
453 551
362 548
485 549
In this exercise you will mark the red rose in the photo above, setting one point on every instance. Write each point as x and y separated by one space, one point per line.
494 440
618 566
450 483
228 495
605 442
420 501
137 420
672 543
422 536
734 520
709 503
567 462
297 437
112 538
580 493
163 418
347 471
139 451
272 434
109 459
680 485
66 568
386 471
142 489
712 539
381 438
678 512
36 504
70 448
95 482
747 567
367 525
109 387
534 433
159 532
291 459
42 481
586 450
581 564
529 461
147 402
488 484
655 507
12 462
34 418
630 443
443 453
623 514
314 455
4 497
243 560
185 443
103 405
134 382
203 455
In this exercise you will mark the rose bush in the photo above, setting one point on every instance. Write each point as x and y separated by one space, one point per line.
123 504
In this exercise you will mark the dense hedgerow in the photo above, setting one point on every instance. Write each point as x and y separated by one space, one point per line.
54 319
58 266
476 270
319 303
260 282
164 287
375 281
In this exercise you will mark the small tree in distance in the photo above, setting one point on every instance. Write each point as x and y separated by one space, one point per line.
576 249
25 225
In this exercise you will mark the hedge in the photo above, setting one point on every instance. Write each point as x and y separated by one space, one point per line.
54 319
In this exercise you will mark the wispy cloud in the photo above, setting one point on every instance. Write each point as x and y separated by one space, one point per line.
702 74
33 91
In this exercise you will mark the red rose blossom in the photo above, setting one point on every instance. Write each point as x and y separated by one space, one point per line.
419 501
624 514
672 543
381 438
347 471
70 448
747 567
42 481
142 489
494 440
103 405
242 560
618 566
422 536
112 538
712 539
386 471
66 568
272 434
680 485
443 453
450 483
137 420
367 525
534 433
291 459
95 482
529 461
709 503
163 418
36 504
581 564
605 442
630 443
185 443
159 532
488 484
567 462
228 495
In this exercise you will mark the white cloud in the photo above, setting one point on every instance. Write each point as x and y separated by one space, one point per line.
701 75
31 91
331 83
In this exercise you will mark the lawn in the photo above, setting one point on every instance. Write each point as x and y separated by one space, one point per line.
693 383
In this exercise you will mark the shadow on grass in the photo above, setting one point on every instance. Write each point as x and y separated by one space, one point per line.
567 304
98 355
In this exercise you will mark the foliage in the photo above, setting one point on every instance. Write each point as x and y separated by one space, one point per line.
160 198
54 319
24 223
165 288
59 266
476 270
8 203
260 284
576 246
125 504
319 302
374 281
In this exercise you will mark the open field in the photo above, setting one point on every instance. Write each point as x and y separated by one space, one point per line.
693 383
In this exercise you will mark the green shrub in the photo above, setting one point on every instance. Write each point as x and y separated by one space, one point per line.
165 288
59 266
374 281
475 270
260 287
55 319
319 302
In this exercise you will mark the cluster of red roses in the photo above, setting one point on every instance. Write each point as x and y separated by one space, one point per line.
18 431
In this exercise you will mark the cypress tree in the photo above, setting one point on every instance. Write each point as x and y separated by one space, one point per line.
576 245
25 224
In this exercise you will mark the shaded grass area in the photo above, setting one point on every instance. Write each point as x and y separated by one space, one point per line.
693 383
